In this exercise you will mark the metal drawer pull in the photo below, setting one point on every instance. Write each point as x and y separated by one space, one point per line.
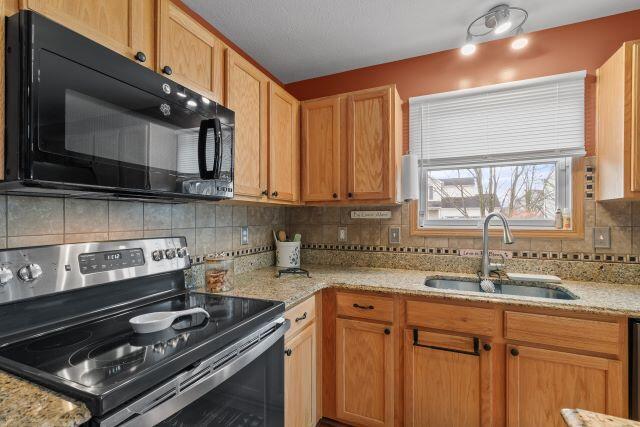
304 316
362 307
288 352
475 352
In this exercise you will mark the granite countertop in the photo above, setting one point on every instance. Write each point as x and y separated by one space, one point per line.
25 404
596 298
582 418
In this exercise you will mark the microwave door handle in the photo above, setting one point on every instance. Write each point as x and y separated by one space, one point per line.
217 162
205 125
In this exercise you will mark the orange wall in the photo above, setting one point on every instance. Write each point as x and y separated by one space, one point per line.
585 45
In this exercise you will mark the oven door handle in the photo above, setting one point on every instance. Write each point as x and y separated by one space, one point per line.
205 126
184 389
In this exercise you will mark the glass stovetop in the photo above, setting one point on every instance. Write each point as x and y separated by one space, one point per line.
105 352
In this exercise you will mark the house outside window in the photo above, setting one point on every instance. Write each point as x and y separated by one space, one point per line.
506 147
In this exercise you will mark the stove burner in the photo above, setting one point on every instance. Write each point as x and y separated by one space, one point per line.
59 340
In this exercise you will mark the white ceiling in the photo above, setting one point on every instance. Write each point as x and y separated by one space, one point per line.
300 39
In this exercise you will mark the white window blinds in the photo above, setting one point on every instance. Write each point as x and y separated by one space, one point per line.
525 120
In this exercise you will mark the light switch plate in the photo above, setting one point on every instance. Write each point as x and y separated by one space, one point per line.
394 235
602 237
244 235
342 234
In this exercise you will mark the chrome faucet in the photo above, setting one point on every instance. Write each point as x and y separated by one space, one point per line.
507 237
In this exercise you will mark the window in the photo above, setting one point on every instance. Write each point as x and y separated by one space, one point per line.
506 147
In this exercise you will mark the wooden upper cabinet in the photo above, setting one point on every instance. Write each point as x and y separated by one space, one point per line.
352 147
300 379
448 381
125 26
368 136
321 150
284 143
542 382
365 373
246 94
618 125
188 53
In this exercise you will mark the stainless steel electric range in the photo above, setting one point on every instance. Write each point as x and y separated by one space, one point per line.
65 312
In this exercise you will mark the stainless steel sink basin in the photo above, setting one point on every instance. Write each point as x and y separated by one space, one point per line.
526 289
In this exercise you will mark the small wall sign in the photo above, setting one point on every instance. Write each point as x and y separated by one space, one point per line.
371 214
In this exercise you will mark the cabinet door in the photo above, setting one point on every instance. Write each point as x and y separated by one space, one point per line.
246 95
284 159
300 379
364 380
188 53
368 139
321 150
635 128
447 381
542 382
125 26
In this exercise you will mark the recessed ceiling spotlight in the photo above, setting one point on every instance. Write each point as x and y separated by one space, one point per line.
520 42
499 21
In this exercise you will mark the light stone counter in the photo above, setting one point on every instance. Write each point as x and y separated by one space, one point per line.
25 404
596 298
582 418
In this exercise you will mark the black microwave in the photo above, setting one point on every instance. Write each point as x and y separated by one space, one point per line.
81 118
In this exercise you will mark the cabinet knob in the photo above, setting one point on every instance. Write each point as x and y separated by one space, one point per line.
167 70
487 347
387 331
274 194
335 195
515 352
265 193
349 194
288 352
141 57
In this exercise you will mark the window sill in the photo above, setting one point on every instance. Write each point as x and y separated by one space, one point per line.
497 232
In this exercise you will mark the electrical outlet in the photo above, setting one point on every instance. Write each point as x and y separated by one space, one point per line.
342 234
601 237
394 235
244 235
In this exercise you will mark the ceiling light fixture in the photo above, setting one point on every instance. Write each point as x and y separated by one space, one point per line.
500 20
521 41
469 47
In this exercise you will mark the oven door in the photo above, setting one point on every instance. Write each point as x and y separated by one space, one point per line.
240 385
93 130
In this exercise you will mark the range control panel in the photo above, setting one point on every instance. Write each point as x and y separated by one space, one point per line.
110 260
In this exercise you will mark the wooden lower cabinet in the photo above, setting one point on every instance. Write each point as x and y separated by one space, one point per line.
365 373
447 381
541 382
300 379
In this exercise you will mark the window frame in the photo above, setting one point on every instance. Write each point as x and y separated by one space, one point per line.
577 209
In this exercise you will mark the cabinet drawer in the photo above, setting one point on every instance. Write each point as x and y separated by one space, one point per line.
473 320
365 306
579 334
300 316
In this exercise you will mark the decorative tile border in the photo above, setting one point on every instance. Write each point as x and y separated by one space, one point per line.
539 255
199 259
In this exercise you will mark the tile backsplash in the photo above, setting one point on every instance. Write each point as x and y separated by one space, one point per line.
319 226
208 227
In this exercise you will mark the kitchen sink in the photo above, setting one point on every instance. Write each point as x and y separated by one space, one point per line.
525 289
